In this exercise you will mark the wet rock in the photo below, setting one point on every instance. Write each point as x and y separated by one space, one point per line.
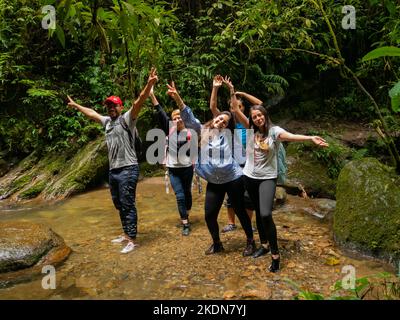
256 294
322 209
25 248
367 215
229 294
280 196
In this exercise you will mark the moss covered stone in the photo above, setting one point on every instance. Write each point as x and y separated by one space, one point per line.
86 168
304 170
56 176
367 215
33 191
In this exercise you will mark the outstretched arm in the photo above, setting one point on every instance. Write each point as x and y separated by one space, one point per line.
217 83
90 113
287 136
252 99
137 105
191 122
235 105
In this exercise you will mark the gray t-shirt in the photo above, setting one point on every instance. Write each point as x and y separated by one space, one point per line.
121 152
261 164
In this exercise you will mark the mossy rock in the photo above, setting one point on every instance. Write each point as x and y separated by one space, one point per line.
87 168
304 170
33 191
148 170
57 176
367 215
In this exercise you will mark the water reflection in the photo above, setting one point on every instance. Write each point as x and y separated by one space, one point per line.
167 265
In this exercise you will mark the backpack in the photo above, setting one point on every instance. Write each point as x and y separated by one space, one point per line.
281 162
137 141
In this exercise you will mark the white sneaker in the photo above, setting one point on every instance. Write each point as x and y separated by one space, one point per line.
119 239
129 247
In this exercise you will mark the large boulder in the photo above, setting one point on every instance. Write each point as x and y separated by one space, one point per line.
56 176
25 248
367 215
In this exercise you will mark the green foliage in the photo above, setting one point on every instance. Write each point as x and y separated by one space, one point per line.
100 48
380 286
394 94
382 52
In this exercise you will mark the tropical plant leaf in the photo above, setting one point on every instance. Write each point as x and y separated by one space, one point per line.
394 95
60 35
382 52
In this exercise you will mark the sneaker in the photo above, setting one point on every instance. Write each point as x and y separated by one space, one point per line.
129 247
119 239
214 248
250 248
228 228
185 229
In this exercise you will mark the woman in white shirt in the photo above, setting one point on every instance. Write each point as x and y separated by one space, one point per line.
261 169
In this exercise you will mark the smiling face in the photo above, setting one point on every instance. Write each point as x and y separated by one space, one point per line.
176 118
113 110
220 122
258 118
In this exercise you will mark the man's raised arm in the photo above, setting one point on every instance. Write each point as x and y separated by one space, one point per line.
137 105
90 113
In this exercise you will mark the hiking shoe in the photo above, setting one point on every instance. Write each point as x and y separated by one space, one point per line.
250 248
228 228
129 247
119 239
214 248
274 267
260 252
185 229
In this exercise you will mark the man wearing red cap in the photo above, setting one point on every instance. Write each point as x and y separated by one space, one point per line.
124 168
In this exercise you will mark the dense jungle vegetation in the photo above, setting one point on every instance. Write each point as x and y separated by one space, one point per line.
292 54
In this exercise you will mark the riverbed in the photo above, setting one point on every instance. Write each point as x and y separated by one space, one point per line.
167 265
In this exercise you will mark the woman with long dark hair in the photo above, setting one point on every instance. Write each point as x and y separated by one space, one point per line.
261 169
217 166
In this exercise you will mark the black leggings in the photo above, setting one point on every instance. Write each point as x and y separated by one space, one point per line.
215 195
262 194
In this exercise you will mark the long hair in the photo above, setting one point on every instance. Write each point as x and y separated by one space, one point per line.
268 123
231 122
230 126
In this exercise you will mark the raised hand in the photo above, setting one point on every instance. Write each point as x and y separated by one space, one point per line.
227 81
319 141
153 78
172 92
217 81
72 103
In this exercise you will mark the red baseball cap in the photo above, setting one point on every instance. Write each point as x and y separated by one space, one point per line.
114 99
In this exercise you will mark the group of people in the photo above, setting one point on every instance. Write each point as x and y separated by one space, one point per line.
249 182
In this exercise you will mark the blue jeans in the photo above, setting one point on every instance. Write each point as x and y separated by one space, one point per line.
181 181
123 183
